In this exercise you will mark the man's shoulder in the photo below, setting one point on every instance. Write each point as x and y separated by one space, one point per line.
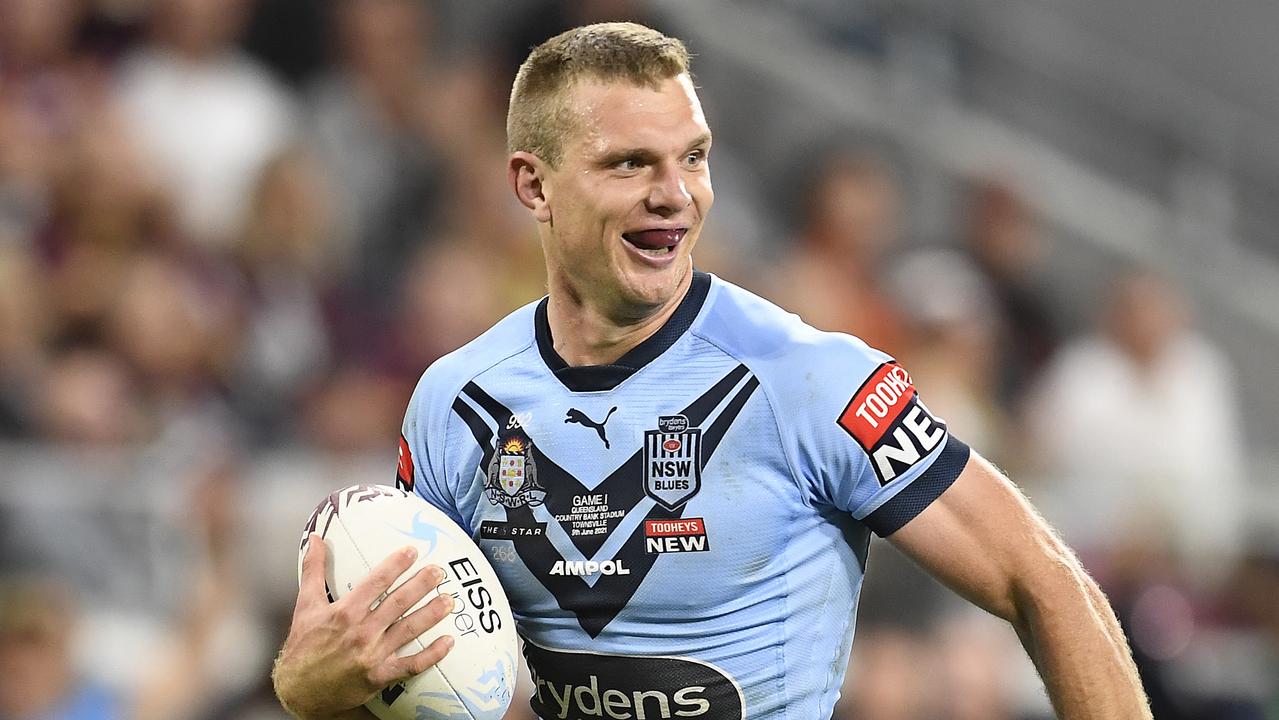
508 337
773 340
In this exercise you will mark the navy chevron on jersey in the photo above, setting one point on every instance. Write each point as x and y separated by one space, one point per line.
682 533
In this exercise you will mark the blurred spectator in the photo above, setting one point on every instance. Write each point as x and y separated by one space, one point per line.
356 410
1003 241
36 35
833 273
494 227
207 116
25 164
283 340
289 36
1139 433
1253 615
107 207
883 680
951 344
200 660
538 20
172 328
88 397
24 325
38 678
37 99
1196 662
976 657
37 57
449 295
370 118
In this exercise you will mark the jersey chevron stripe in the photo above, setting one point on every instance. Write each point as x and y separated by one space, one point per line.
483 435
595 606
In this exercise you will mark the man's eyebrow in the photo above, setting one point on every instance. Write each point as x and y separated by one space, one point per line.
703 139
612 157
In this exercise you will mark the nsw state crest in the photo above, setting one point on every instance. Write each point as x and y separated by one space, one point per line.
512 474
672 461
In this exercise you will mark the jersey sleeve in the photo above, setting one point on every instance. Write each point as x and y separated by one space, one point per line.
421 468
861 438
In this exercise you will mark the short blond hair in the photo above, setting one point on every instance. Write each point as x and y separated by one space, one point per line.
539 118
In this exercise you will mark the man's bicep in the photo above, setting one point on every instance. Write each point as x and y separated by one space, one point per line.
982 539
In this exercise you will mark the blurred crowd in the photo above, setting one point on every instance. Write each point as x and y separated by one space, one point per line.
234 232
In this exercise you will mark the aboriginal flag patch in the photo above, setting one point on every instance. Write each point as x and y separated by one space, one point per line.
886 417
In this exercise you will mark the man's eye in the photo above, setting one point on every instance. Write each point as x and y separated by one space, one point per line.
695 158
628 164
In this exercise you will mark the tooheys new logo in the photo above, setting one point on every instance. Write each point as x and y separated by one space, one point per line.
577 685
887 419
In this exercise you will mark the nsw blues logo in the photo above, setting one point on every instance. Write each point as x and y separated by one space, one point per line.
512 474
672 461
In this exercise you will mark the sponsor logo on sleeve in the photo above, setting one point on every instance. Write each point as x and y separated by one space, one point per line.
404 472
888 420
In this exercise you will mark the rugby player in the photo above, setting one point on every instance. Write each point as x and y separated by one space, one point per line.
675 479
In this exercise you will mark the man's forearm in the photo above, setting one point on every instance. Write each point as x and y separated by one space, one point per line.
1074 639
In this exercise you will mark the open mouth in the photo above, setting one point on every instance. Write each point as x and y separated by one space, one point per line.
658 242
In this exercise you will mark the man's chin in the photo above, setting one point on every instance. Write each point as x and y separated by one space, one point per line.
653 290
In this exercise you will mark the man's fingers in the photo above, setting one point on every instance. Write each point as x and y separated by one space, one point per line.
312 582
416 623
401 668
380 579
421 662
407 595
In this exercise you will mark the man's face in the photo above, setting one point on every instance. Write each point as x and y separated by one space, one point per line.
626 204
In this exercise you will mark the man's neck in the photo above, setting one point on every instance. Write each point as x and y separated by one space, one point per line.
585 334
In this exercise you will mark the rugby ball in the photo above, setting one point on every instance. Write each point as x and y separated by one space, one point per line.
361 526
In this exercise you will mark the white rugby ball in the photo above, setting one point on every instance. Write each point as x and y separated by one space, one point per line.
361 526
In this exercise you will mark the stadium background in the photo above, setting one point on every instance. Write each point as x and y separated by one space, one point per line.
233 232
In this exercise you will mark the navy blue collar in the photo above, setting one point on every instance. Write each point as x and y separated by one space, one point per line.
594 378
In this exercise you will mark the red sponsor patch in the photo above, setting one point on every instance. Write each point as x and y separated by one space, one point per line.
674 528
676 535
878 404
404 473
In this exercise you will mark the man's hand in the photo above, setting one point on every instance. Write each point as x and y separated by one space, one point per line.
338 655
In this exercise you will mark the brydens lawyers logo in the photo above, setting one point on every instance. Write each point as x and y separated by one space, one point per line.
888 420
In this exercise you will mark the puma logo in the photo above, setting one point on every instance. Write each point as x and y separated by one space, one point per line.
579 417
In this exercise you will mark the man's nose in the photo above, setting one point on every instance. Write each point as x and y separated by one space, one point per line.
669 193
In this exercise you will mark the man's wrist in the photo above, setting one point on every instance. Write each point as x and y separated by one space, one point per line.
279 692
281 683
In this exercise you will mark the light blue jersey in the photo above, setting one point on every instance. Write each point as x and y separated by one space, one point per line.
682 534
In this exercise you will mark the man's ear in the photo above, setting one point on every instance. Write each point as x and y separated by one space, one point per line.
527 174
